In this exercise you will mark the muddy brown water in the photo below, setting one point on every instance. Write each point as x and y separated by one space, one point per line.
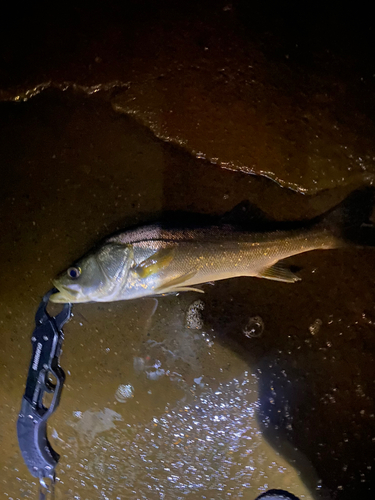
152 409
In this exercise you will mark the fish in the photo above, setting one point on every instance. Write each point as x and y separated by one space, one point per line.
158 259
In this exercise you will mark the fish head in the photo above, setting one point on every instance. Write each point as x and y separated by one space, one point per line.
96 277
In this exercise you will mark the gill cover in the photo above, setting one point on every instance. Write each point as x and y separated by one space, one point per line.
102 272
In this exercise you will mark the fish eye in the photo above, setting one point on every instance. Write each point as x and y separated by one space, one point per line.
74 272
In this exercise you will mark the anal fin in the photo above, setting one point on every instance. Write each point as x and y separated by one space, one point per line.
279 272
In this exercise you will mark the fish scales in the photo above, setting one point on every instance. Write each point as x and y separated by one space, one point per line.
156 259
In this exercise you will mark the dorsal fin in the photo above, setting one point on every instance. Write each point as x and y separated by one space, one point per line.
247 214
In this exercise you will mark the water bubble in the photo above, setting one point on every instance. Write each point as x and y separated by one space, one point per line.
155 374
254 327
124 392
315 327
194 316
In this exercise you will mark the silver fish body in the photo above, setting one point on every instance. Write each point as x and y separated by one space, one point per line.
201 256
154 260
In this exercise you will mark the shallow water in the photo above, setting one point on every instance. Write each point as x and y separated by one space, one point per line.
152 408
261 89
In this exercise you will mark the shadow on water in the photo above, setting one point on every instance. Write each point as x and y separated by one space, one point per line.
74 171
314 361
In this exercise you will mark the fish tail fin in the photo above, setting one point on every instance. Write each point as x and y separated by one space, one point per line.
349 221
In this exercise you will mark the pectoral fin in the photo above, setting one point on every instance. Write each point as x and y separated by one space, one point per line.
155 263
279 272
177 284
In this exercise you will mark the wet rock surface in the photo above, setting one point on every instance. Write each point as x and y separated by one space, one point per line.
76 165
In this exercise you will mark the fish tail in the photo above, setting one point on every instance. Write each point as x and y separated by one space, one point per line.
349 222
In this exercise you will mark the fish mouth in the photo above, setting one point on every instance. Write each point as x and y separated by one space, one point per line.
64 294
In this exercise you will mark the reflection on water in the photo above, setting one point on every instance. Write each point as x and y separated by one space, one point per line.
189 432
208 444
